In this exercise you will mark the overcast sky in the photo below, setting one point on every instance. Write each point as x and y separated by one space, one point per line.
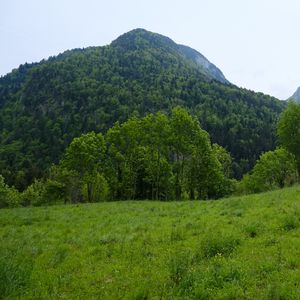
256 43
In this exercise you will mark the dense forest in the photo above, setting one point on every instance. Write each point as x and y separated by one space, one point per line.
158 157
43 106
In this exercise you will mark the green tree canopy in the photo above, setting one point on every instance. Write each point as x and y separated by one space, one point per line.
157 157
85 155
274 169
288 130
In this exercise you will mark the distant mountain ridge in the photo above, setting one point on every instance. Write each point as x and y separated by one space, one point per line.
296 96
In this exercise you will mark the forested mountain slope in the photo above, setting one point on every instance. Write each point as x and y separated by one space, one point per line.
43 106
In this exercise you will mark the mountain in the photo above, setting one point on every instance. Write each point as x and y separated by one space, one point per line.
135 39
296 95
44 105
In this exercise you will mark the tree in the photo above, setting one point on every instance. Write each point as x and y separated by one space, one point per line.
183 130
65 184
224 158
85 155
124 151
205 174
159 176
100 191
288 130
156 157
160 157
274 169
196 168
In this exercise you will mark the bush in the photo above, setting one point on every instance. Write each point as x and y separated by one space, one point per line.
43 192
34 194
9 196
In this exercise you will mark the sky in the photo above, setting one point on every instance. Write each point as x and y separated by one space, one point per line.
255 43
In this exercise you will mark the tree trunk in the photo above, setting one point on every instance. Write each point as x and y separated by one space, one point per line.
89 191
192 194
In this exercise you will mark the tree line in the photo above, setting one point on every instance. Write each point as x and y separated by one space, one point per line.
159 157
280 167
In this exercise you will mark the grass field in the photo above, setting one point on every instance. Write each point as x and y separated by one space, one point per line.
236 248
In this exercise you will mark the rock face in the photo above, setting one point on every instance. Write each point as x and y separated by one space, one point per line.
210 69
296 96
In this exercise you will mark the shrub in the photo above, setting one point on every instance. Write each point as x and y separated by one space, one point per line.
274 169
34 194
9 196
43 192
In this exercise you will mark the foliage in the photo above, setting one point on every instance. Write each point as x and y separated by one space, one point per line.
157 157
85 153
44 106
160 157
99 191
9 196
84 156
69 184
237 248
32 195
44 192
288 130
274 169
224 158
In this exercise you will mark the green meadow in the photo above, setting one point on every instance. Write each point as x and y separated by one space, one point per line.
235 248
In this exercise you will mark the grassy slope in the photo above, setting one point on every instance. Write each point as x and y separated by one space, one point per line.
246 247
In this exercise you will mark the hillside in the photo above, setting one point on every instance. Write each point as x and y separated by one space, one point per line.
140 39
296 95
236 248
43 106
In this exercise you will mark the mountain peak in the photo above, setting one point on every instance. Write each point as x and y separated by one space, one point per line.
296 95
139 39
